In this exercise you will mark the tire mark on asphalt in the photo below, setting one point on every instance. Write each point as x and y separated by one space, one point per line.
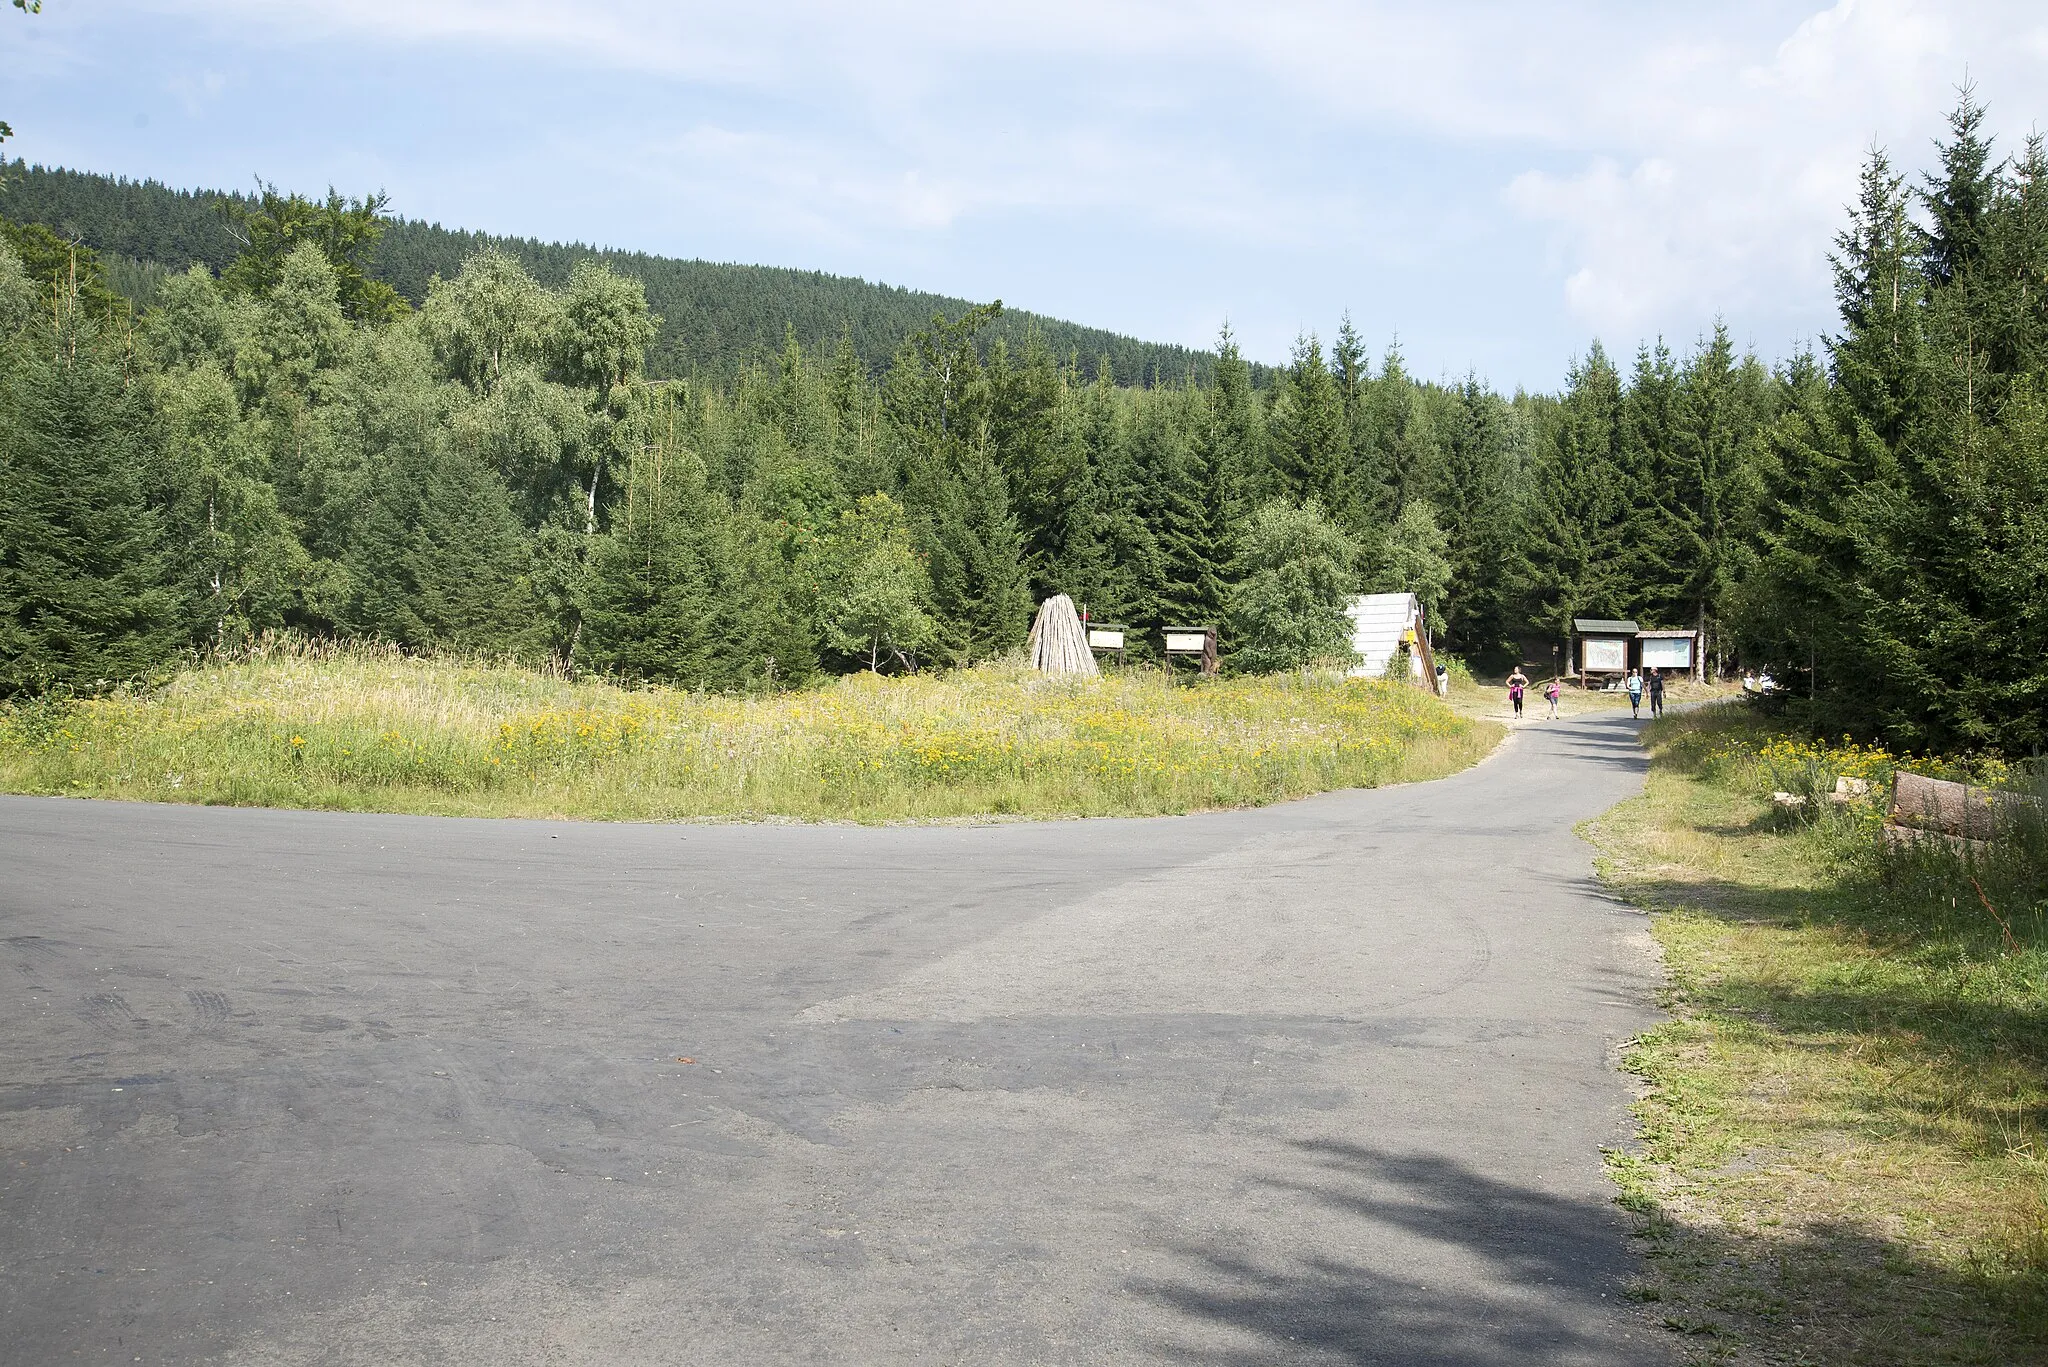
106 1012
209 1009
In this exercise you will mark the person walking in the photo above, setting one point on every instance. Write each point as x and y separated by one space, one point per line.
1635 694
1518 684
1656 692
1551 692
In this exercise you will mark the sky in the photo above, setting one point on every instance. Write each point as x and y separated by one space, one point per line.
1495 185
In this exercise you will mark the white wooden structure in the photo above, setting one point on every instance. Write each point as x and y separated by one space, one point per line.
1197 641
1381 624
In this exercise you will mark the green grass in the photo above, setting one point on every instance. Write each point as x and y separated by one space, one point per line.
1842 1157
371 730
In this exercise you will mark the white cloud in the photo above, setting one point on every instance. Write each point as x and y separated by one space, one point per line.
1740 171
1676 162
195 90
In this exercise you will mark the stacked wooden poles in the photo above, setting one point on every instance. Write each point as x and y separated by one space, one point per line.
1059 643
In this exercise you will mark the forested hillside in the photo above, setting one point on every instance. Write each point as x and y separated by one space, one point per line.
713 315
282 442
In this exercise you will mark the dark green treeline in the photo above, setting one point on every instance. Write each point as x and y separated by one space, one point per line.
715 316
287 444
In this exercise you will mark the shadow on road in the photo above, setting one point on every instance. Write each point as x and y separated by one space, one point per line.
1499 1275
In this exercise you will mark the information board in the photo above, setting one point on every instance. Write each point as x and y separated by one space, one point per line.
1667 652
1605 655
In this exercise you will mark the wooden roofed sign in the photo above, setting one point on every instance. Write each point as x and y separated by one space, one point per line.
1603 644
1614 646
1198 641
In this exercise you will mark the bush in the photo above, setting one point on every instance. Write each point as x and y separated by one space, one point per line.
1295 578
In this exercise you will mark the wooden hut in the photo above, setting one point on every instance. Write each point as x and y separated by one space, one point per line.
1383 624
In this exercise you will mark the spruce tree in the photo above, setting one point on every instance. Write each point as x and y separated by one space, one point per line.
1959 196
438 559
1401 460
1032 438
1177 502
1238 448
1114 558
1578 512
1309 440
83 602
685 589
1352 372
1485 442
974 549
1706 488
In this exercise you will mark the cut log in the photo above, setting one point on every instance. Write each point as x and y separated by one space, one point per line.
1955 808
1910 837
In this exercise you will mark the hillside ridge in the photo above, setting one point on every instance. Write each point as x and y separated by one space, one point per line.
715 315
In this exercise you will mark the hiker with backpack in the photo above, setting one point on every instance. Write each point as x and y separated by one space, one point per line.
1656 692
1635 694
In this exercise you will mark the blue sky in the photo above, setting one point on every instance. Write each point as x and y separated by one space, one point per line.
1496 184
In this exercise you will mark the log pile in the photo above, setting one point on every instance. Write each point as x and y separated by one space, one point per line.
1059 644
1966 819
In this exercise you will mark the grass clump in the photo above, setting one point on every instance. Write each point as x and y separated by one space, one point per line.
359 728
1842 1157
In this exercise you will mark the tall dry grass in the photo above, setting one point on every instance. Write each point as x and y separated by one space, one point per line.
361 728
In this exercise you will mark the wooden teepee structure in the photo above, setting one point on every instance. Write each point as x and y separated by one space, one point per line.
1059 645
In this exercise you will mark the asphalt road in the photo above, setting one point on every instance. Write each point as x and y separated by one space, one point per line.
1322 1083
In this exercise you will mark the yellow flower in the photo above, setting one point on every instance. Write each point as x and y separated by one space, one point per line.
298 740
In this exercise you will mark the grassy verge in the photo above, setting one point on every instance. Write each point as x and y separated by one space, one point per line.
1842 1158
361 729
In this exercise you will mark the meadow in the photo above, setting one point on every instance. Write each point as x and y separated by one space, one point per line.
1842 1157
367 729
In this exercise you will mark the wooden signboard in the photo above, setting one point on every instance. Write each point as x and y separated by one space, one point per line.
1106 638
1193 641
1610 656
1667 652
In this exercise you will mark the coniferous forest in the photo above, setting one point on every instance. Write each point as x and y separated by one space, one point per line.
224 417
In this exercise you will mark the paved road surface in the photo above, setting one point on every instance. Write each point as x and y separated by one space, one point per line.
1324 1083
